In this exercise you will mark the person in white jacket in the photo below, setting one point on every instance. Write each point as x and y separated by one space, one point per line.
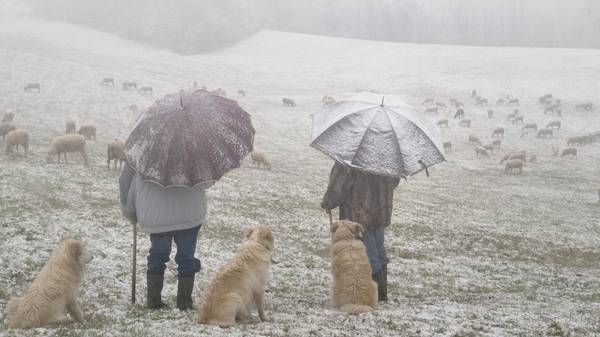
174 213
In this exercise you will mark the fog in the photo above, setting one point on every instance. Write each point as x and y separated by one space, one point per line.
189 26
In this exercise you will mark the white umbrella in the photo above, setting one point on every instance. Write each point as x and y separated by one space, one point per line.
378 134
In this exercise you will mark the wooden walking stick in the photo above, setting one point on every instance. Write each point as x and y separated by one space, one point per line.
330 218
134 264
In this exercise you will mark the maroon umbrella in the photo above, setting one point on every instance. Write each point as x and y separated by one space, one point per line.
188 138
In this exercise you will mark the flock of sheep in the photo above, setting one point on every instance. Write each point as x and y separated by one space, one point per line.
513 161
74 140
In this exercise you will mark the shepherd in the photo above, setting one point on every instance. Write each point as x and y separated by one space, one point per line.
374 145
178 148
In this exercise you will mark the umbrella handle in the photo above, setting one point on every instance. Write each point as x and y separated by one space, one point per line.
425 167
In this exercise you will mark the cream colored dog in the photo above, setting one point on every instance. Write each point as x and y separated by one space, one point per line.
54 289
352 289
241 282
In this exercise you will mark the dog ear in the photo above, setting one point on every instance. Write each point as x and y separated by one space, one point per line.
358 230
335 226
75 249
248 232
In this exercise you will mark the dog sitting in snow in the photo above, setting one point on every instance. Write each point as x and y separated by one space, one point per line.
239 283
55 289
352 289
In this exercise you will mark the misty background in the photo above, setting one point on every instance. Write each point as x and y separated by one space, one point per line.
192 26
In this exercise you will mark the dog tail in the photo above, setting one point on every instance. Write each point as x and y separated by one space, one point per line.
355 309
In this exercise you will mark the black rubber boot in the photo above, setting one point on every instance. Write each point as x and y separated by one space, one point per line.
185 287
155 285
383 295
381 279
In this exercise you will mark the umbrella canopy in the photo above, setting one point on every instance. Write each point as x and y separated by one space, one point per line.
188 138
377 134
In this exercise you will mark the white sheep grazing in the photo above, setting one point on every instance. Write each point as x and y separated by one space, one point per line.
5 128
514 164
15 138
68 143
481 151
259 158
116 152
88 131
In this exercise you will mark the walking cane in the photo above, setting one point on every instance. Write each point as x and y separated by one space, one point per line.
330 218
134 264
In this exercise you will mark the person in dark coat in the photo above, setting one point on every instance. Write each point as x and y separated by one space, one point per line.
368 200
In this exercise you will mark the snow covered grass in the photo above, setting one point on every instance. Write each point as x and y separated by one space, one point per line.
474 252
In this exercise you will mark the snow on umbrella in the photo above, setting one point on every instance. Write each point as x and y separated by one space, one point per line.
377 134
189 138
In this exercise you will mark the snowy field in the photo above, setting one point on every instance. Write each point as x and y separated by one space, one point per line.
474 251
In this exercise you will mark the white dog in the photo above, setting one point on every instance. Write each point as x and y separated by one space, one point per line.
55 289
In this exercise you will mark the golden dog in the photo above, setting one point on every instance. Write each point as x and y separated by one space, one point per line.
352 289
54 289
242 281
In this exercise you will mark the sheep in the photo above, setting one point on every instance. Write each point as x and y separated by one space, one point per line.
498 132
500 101
116 151
481 101
521 155
569 152
545 133
259 158
88 131
465 123
490 114
327 100
441 105
129 85
288 102
443 123
554 125
448 147
5 128
65 144
517 120
15 138
513 101
31 87
460 114
481 151
530 126
497 143
108 81
146 90
70 127
8 117
575 141
474 140
432 110
241 93
588 106
514 164
489 147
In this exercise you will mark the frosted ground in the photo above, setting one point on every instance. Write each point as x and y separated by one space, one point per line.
474 252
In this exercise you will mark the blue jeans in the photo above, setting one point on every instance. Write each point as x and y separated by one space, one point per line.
373 240
160 249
